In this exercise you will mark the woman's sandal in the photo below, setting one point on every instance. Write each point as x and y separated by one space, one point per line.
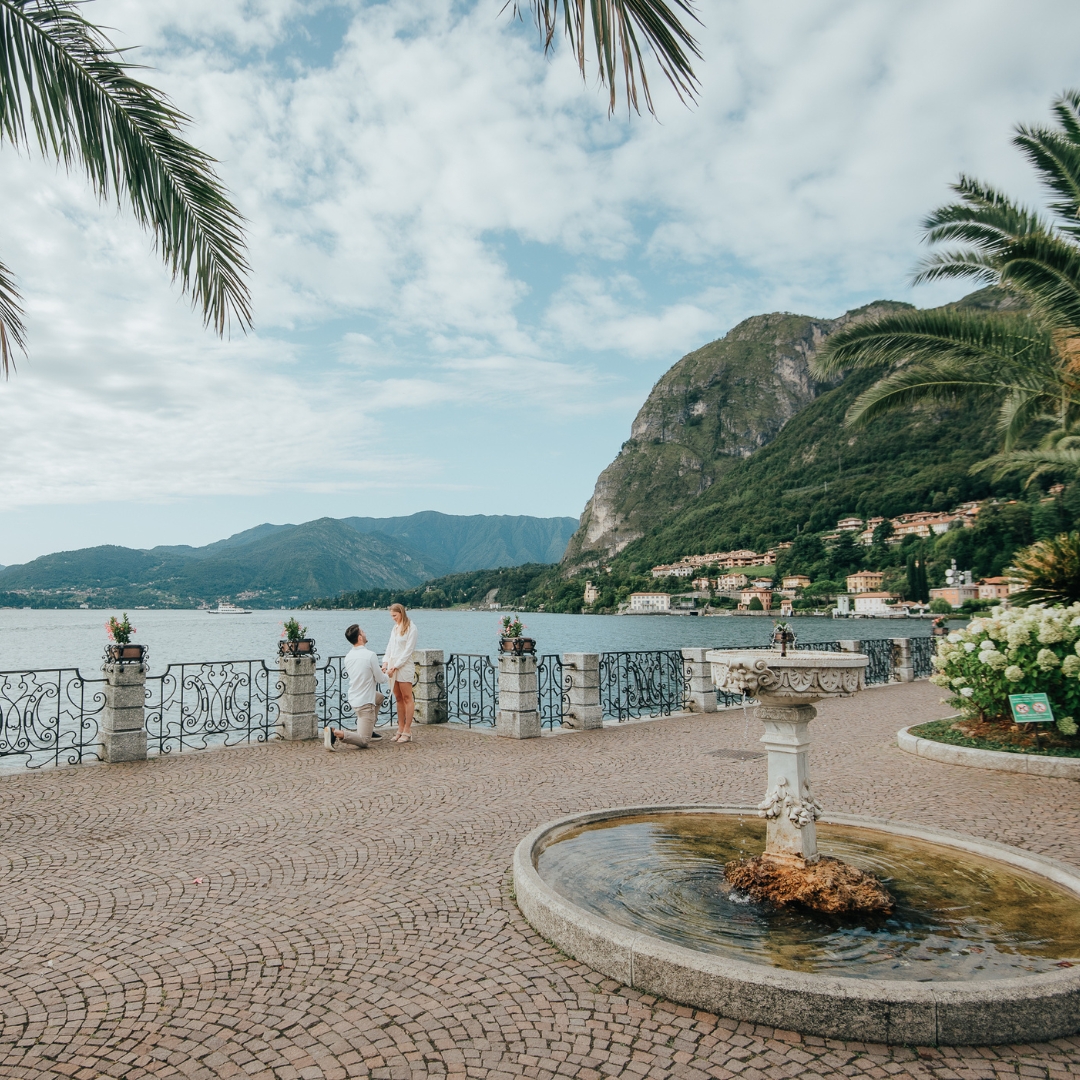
405 737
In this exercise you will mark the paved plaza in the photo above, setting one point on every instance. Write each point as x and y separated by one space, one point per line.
278 911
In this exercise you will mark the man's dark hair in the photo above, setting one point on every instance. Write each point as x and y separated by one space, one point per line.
353 633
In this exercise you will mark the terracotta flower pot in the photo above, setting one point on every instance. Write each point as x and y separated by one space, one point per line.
125 654
303 647
517 646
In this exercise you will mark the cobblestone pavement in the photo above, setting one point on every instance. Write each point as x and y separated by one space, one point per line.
277 911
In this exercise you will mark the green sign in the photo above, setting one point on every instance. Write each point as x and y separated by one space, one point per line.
1030 708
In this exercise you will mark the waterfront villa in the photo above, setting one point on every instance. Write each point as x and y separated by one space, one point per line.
650 602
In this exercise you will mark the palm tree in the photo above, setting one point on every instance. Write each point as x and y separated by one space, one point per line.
64 85
616 26
1029 360
1050 571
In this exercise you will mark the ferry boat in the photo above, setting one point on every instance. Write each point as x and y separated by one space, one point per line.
225 608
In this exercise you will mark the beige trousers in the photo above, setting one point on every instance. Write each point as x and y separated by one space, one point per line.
365 725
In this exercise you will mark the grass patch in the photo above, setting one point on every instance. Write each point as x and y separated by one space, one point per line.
1002 737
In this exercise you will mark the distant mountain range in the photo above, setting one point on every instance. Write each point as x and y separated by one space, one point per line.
272 565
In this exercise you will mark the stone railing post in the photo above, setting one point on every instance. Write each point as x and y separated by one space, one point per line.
123 720
702 695
850 646
297 719
429 692
903 666
582 711
519 714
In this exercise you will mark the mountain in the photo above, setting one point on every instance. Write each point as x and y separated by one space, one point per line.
270 565
477 542
281 565
716 407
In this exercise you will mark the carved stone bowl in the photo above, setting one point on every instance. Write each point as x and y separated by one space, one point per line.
800 678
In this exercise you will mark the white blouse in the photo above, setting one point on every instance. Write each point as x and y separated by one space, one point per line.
399 648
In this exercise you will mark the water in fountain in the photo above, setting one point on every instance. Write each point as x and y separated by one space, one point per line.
957 916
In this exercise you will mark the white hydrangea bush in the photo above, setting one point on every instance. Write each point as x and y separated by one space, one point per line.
1014 651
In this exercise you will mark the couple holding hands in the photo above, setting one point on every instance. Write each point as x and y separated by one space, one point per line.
362 667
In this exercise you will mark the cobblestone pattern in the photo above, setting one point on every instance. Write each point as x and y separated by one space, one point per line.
277 911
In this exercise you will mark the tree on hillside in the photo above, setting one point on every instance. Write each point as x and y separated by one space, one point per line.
1028 361
66 87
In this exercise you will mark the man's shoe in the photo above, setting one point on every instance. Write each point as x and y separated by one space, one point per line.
376 735
328 737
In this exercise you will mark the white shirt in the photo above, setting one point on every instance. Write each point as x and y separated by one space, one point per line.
399 648
362 667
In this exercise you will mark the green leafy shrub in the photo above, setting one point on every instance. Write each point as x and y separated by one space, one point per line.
1014 651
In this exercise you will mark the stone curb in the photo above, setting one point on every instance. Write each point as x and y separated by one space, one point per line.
1031 1008
999 760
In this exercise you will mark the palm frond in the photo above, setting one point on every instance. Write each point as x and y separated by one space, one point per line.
938 381
906 336
958 264
1056 156
1046 269
62 80
1050 571
619 29
12 332
984 217
1037 462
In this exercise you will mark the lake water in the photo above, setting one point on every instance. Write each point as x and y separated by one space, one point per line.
52 639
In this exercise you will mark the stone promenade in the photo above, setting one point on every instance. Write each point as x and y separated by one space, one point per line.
277 911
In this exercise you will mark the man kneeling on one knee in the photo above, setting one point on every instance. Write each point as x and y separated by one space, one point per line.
362 667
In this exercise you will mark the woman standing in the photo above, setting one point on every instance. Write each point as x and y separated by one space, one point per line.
398 665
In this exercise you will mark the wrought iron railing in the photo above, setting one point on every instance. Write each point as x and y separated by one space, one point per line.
922 655
472 690
332 697
881 666
196 706
49 717
648 682
553 690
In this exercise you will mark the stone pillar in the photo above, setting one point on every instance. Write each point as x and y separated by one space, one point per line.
903 665
702 697
789 805
850 646
583 710
123 720
296 706
519 715
429 691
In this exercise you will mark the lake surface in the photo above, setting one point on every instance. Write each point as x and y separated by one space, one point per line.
52 639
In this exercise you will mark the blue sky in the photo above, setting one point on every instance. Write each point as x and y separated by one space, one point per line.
466 276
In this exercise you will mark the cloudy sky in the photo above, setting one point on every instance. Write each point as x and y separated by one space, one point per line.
466 276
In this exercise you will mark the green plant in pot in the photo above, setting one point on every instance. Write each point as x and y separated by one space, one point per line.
121 649
294 640
511 639
783 636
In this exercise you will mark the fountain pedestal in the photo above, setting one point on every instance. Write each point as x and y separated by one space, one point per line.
786 686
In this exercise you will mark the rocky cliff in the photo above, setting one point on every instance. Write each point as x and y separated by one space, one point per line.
715 407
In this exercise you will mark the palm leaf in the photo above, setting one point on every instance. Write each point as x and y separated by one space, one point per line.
1050 571
619 28
63 81
11 327
1056 156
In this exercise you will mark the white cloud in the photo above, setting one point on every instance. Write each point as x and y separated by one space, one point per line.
381 179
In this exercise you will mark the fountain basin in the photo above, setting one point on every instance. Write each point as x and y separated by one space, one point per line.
1021 1008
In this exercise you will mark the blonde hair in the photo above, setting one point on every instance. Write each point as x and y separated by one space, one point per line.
403 626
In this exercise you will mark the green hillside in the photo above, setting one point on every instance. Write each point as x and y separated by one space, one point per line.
475 542
270 565
277 567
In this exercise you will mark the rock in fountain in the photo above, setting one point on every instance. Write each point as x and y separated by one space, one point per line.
791 870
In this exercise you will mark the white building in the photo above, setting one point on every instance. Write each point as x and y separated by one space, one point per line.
650 601
875 603
733 581
673 570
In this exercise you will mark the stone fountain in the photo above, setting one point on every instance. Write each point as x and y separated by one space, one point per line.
786 686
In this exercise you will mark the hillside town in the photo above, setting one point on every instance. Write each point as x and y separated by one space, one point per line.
749 578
